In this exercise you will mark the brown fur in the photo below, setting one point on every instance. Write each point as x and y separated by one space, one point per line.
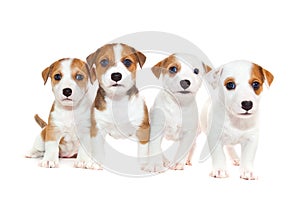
163 66
260 75
143 133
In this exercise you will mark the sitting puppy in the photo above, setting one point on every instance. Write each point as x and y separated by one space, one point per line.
174 114
70 112
118 110
233 115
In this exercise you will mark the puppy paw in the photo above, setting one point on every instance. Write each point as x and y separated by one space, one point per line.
48 164
154 167
235 162
188 162
219 173
88 165
177 166
34 154
248 175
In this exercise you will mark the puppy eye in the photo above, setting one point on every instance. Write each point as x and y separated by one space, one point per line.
196 71
104 62
127 62
255 85
79 77
173 69
230 85
57 77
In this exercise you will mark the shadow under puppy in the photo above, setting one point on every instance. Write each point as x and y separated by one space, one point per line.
174 114
118 110
69 116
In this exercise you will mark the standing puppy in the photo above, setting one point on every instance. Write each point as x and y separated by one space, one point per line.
70 113
237 88
174 114
118 109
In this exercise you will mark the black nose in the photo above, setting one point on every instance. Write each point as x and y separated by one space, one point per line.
67 92
247 105
185 83
116 76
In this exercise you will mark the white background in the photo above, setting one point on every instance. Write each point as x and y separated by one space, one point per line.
36 33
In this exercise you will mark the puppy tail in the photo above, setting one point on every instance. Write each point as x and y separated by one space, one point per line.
40 121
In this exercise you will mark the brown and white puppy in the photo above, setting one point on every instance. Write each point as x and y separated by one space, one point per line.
174 114
118 110
70 113
234 115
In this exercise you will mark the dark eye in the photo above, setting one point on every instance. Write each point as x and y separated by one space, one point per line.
230 85
104 62
127 62
57 77
196 71
255 85
173 69
79 77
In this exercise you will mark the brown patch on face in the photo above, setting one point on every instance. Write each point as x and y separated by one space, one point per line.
229 79
100 102
143 133
163 66
80 69
136 57
105 53
50 71
257 75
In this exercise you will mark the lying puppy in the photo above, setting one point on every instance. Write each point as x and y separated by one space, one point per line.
234 115
70 112
174 114
118 109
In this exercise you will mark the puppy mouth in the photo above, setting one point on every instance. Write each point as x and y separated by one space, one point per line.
184 92
117 85
245 114
67 100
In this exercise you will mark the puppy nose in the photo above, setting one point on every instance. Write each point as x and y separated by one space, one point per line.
116 76
185 83
67 92
247 105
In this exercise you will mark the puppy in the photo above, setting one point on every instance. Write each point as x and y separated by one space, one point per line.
69 115
174 114
234 114
118 109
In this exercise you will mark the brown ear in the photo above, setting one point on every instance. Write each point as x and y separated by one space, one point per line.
46 74
91 73
156 69
141 58
268 76
206 68
91 59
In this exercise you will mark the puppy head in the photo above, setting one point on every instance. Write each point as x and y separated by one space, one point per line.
116 66
241 83
70 79
178 76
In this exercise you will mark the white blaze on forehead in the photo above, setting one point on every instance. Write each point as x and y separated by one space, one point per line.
66 68
118 52
239 70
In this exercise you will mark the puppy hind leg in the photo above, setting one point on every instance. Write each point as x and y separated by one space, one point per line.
38 148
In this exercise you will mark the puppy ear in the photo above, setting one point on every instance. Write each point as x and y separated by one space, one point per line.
206 68
268 76
91 59
46 74
141 58
156 69
213 77
91 73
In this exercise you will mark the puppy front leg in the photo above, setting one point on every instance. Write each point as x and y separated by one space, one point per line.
97 148
50 159
247 158
185 149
